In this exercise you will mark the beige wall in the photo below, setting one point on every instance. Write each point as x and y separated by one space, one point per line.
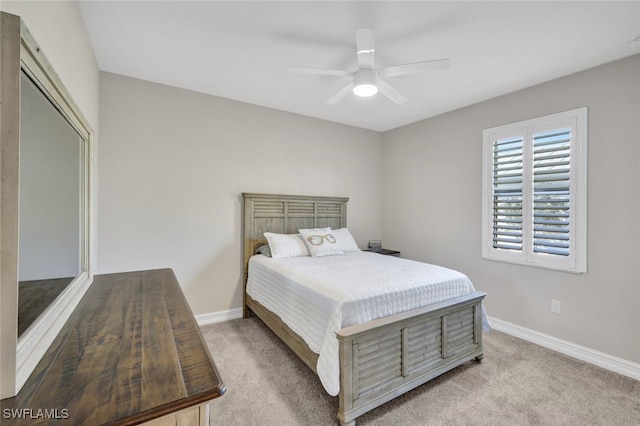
432 202
59 29
173 164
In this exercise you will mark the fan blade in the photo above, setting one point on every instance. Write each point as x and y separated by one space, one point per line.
318 71
341 94
415 67
365 46
390 92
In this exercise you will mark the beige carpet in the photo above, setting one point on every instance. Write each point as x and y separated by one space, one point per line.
518 383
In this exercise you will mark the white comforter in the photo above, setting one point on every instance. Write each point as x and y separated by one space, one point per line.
317 296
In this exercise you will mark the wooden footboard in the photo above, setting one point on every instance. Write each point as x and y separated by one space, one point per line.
382 359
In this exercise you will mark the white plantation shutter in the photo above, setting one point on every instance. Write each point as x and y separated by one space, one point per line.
507 194
534 192
552 192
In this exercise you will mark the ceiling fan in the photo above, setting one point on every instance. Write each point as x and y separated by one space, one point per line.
367 80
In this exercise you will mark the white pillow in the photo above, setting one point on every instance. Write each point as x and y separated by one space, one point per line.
264 249
286 245
345 240
320 242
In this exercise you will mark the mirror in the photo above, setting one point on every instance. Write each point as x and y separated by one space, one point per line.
50 189
45 220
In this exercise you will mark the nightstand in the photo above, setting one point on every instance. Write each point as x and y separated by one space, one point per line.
386 252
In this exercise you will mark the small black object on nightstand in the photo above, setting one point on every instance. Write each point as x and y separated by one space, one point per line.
386 252
374 246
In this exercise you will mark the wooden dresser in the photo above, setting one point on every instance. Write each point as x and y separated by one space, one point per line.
130 353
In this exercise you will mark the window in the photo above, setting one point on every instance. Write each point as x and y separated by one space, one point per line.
534 192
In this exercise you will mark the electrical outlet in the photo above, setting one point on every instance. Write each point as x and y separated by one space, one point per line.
556 306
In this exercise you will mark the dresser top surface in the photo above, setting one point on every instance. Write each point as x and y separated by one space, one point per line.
131 351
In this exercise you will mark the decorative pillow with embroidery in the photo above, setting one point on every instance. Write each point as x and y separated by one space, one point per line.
345 240
320 242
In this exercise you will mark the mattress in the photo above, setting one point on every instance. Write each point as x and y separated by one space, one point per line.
317 296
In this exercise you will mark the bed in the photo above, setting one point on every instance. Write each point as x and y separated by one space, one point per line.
382 357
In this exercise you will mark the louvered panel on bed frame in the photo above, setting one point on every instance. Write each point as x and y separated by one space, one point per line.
285 214
393 355
380 359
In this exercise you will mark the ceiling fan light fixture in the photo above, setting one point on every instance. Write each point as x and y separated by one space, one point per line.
365 90
364 83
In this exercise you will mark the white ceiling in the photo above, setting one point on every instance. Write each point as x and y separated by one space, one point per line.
242 50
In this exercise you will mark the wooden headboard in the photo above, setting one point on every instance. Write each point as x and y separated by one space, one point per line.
285 214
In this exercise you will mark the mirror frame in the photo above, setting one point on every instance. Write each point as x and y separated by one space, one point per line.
19 356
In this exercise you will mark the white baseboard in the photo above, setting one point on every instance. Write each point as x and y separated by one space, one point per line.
609 362
220 316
